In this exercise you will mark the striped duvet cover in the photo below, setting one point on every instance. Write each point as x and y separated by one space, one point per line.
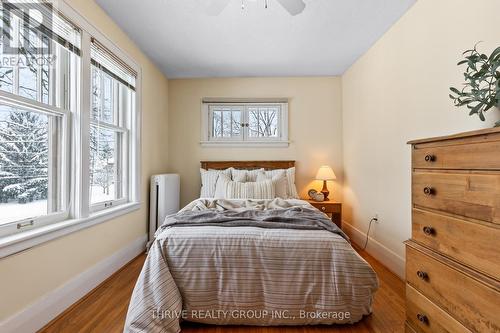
249 276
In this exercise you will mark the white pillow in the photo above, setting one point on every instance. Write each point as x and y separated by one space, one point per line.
228 189
290 177
244 175
209 180
220 186
279 180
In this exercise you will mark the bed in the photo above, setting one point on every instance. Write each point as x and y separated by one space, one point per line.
273 261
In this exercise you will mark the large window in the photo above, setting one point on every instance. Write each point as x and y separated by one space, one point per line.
68 122
241 124
39 70
113 101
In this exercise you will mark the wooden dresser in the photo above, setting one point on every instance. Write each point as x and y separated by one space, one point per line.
453 258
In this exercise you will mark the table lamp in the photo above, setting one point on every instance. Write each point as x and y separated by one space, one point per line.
325 173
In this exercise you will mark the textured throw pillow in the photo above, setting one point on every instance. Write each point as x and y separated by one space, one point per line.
291 190
228 189
243 175
209 180
221 185
279 181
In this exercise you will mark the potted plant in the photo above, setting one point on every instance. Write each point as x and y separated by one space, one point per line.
481 89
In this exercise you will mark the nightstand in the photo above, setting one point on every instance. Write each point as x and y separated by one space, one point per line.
331 208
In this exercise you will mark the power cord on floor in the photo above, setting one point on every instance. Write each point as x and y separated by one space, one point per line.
368 233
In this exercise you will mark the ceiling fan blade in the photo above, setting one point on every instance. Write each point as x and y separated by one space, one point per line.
294 7
215 7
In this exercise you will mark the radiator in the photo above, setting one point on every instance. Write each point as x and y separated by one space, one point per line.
163 200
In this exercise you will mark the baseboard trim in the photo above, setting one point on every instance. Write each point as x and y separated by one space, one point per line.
391 260
49 306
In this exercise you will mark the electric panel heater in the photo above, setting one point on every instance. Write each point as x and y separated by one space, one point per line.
163 200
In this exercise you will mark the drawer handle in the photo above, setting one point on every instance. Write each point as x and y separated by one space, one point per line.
429 190
323 208
422 275
422 318
429 231
430 158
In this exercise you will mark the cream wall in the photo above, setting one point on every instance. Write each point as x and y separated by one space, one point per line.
315 127
398 91
29 275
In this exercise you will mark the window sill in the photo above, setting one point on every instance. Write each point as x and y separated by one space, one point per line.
22 241
245 144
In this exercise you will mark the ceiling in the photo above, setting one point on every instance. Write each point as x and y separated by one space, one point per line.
323 40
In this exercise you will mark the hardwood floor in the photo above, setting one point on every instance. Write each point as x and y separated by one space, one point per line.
104 309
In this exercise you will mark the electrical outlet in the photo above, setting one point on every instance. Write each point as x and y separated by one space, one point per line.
376 218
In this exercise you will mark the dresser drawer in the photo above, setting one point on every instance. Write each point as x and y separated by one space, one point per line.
471 302
427 317
473 244
471 195
476 156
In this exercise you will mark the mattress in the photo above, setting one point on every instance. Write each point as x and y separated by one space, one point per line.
242 274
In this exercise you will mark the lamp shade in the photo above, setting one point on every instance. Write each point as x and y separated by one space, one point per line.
325 173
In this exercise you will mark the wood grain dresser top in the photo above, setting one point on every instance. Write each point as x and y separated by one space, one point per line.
483 132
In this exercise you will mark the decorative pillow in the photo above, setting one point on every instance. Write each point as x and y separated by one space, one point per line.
290 177
279 181
221 185
228 189
243 175
209 180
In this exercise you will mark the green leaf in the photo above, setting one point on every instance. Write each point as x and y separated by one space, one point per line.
481 116
494 54
491 104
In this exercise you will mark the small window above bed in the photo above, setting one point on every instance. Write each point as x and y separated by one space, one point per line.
244 123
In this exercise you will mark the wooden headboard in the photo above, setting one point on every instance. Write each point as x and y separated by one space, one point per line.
268 165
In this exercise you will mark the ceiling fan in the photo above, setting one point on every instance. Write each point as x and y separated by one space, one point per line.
294 7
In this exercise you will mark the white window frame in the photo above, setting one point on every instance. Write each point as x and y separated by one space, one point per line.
80 214
27 104
210 124
125 161
244 140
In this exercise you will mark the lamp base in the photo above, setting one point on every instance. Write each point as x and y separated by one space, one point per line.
325 190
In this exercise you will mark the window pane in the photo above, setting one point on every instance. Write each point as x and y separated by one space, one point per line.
96 93
236 124
27 79
263 122
45 72
105 165
217 124
25 170
103 97
28 67
226 122
6 78
6 69
107 104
